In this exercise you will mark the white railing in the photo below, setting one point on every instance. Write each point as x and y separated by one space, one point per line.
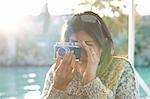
131 45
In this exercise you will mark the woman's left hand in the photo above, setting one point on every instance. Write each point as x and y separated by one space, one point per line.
92 63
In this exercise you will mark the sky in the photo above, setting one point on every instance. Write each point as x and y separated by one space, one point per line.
21 8
12 12
142 6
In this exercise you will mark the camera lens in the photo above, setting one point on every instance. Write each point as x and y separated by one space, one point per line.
62 51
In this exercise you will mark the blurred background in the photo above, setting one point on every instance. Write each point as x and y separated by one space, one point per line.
29 28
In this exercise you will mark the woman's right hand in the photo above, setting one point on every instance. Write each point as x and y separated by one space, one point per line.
64 71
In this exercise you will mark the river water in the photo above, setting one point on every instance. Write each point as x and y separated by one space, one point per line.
27 82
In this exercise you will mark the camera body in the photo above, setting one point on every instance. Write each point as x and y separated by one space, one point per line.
62 48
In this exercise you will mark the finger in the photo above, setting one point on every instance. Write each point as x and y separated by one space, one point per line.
94 58
90 52
77 65
72 63
86 47
69 60
61 64
68 65
58 61
73 71
76 69
57 55
94 54
66 59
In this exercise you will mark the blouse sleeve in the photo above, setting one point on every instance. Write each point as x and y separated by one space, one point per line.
127 85
49 92
96 90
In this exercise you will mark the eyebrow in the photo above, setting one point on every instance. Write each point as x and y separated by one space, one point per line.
85 41
89 41
73 40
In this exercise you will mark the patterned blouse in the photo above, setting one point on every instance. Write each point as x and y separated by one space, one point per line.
124 88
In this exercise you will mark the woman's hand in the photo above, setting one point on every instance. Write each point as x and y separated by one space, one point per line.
64 71
92 63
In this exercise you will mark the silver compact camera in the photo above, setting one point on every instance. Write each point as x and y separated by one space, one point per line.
62 48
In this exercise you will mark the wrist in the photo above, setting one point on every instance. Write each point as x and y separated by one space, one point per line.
59 87
88 77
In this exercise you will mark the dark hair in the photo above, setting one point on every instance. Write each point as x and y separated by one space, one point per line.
98 31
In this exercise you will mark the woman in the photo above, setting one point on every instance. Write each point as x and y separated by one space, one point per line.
98 74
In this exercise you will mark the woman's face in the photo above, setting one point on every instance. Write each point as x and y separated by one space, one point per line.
83 36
